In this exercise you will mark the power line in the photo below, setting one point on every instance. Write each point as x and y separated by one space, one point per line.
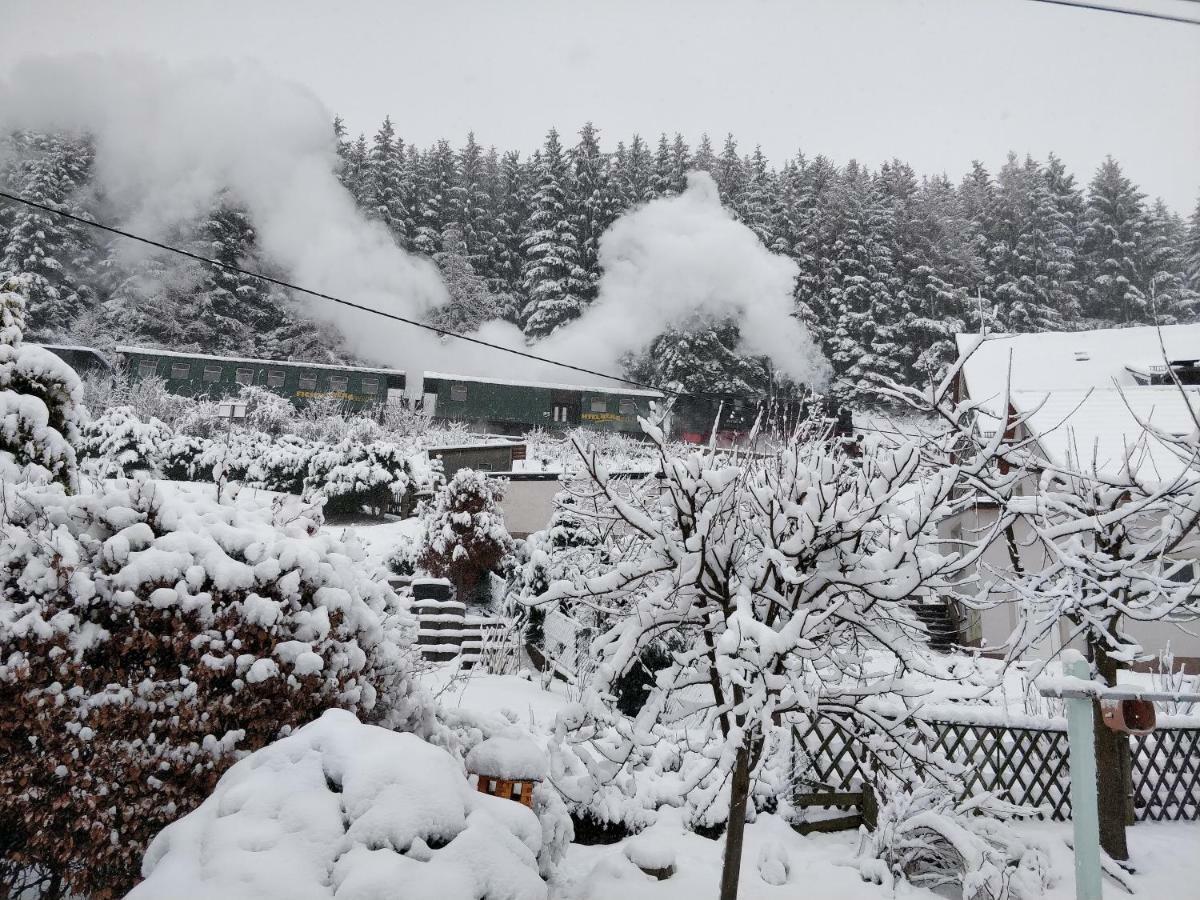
444 332
1145 14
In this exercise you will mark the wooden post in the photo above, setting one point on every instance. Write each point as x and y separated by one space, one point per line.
1084 814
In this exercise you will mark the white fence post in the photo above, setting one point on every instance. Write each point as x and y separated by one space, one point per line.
1084 814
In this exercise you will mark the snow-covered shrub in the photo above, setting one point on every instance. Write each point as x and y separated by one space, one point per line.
928 837
465 537
180 458
266 411
148 637
148 397
282 465
351 476
347 810
119 443
405 554
40 402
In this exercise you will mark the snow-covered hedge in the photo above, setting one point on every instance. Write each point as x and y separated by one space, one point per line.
349 474
352 811
148 637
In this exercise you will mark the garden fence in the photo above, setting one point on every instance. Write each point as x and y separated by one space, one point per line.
1024 765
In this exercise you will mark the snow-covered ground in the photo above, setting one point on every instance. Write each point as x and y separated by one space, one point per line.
818 865
1163 852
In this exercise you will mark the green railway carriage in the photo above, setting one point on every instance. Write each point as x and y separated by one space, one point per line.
502 406
200 375
84 360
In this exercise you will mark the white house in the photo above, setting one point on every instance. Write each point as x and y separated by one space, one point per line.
1081 394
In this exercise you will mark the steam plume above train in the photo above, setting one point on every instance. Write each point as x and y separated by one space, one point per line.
169 138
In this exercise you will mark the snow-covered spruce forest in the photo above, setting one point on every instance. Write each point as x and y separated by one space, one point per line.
892 262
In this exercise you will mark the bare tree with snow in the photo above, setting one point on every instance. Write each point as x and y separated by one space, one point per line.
789 578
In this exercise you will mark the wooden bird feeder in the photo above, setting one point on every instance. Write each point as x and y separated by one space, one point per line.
510 789
508 766
1129 716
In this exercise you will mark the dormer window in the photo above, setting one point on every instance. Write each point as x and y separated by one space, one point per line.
1082 356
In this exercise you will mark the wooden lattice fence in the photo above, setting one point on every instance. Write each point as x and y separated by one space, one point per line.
1026 766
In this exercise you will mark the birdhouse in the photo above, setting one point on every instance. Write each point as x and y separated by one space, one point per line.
1128 716
508 766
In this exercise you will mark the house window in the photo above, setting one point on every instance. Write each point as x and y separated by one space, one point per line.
458 392
370 385
181 370
212 373
245 376
628 408
340 383
599 406
308 381
275 378
147 368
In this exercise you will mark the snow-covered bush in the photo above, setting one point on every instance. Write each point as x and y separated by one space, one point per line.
181 458
927 837
266 411
148 636
347 810
40 402
119 443
465 537
351 476
282 466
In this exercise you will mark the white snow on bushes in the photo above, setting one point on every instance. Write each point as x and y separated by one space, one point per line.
144 543
348 811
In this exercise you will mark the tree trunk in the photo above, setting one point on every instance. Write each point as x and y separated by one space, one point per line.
739 795
1112 766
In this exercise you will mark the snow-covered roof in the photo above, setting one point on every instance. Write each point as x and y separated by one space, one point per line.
1069 360
78 348
1082 429
1086 391
628 392
151 351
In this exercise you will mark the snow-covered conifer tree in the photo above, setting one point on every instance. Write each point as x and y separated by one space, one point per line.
383 182
1112 243
554 282
40 401
465 537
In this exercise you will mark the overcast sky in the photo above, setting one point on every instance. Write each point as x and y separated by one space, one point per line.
934 82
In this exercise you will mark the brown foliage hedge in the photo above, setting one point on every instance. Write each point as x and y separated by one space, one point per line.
146 643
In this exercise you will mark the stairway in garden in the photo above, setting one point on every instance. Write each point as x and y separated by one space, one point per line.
940 623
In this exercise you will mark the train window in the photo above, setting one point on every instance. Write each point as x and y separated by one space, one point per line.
147 368
212 373
339 383
599 406
308 381
628 408
181 370
275 378
370 384
245 376
458 392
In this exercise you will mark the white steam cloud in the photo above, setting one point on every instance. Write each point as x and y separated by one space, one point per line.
683 258
169 138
